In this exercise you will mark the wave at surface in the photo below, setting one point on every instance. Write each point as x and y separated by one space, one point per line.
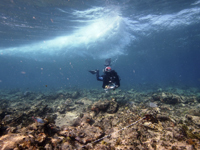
100 38
104 32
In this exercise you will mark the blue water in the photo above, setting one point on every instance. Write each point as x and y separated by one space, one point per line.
50 45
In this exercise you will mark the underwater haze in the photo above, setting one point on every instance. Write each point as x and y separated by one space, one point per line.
51 44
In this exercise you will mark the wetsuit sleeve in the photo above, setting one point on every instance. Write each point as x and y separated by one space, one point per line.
99 78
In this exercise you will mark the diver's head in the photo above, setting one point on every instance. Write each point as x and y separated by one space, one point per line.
107 69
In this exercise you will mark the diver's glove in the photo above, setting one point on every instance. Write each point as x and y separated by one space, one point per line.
93 71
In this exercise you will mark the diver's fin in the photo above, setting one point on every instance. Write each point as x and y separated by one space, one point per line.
93 71
107 62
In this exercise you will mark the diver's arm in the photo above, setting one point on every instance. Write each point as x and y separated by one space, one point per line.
99 78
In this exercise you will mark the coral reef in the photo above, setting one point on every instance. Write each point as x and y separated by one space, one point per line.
88 119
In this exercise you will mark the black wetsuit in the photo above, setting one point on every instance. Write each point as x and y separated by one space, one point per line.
109 78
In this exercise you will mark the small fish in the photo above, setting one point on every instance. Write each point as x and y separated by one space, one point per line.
38 119
46 85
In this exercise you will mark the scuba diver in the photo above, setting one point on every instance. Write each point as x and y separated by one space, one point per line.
110 77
